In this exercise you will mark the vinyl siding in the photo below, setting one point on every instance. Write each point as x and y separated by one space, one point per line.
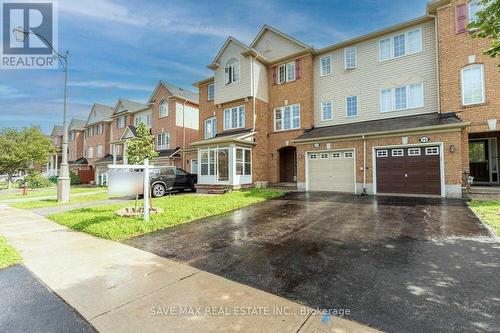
371 76
279 46
191 118
260 76
241 89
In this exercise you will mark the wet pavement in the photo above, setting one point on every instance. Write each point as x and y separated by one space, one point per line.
398 264
26 305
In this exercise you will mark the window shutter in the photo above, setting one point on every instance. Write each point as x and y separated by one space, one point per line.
275 69
461 18
297 69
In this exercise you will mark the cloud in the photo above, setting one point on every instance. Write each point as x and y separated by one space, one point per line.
97 84
7 92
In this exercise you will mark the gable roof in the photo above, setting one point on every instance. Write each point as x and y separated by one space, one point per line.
276 31
129 133
76 125
99 113
57 130
176 92
126 105
226 43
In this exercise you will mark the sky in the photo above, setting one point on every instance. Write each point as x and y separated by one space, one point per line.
122 48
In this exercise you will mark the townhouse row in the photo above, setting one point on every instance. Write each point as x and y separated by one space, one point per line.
410 109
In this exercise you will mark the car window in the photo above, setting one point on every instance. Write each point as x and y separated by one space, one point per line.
167 171
180 172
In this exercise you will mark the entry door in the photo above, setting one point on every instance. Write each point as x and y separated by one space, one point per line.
288 165
414 170
478 160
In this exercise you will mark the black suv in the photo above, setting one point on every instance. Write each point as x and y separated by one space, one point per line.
171 179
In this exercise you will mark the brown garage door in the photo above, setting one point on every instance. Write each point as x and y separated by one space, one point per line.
414 170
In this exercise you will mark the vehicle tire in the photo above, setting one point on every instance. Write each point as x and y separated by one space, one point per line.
192 187
158 190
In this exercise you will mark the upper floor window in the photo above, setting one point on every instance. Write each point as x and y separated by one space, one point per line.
326 110
99 129
163 109
325 65
286 72
474 7
163 141
232 71
402 98
71 136
90 152
351 106
287 117
210 91
400 45
472 84
234 118
90 131
99 150
121 121
210 127
350 57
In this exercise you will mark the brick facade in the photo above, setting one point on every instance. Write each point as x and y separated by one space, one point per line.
98 139
76 146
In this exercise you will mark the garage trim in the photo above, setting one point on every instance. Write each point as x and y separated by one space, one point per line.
306 156
441 161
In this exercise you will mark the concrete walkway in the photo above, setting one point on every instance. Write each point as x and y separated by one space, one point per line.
118 288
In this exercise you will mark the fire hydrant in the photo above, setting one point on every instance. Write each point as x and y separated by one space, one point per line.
25 189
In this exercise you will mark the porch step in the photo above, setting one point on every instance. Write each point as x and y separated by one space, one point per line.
285 186
484 193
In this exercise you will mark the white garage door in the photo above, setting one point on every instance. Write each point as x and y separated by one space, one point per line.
331 171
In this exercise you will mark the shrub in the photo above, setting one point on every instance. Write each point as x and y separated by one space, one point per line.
53 179
36 180
74 178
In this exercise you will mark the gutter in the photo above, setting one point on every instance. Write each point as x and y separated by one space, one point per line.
415 129
252 87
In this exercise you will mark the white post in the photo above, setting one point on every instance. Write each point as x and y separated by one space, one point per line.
56 168
114 154
124 157
146 189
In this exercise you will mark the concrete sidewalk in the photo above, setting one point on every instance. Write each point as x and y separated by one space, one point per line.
118 288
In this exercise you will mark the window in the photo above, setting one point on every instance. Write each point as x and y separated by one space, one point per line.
232 71
352 106
90 131
400 45
477 152
325 65
99 129
243 162
323 156
474 7
148 120
122 121
208 162
90 152
382 153
71 136
163 112
163 141
326 110
414 152
287 117
210 91
336 155
99 150
397 152
234 118
313 156
350 57
286 72
472 84
210 127
348 154
432 151
402 98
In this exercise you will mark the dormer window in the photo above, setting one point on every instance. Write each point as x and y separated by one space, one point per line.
232 71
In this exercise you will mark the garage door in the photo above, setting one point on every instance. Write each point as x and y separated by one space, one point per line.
331 171
414 170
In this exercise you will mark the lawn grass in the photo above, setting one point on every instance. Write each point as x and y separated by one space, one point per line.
43 203
8 256
103 222
488 212
48 191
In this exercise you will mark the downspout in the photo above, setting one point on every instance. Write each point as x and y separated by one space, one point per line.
252 76
364 165
183 134
437 60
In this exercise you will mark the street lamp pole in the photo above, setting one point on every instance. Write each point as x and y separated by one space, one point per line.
63 181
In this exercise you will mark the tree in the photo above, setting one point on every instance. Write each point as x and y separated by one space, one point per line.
20 150
142 146
487 25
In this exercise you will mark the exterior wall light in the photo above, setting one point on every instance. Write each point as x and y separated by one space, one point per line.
452 148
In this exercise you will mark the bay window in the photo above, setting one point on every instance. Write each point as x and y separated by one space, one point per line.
243 162
234 117
287 117
207 162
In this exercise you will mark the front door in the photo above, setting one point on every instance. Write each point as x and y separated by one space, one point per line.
287 165
478 160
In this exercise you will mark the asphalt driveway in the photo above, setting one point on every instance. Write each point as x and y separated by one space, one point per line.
397 264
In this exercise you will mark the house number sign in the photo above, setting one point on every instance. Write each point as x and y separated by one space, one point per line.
424 139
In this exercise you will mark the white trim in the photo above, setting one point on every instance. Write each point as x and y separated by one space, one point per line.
441 162
391 43
282 108
231 117
397 152
331 109
357 106
481 66
408 96
321 73
163 102
208 91
414 151
355 57
324 156
308 153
